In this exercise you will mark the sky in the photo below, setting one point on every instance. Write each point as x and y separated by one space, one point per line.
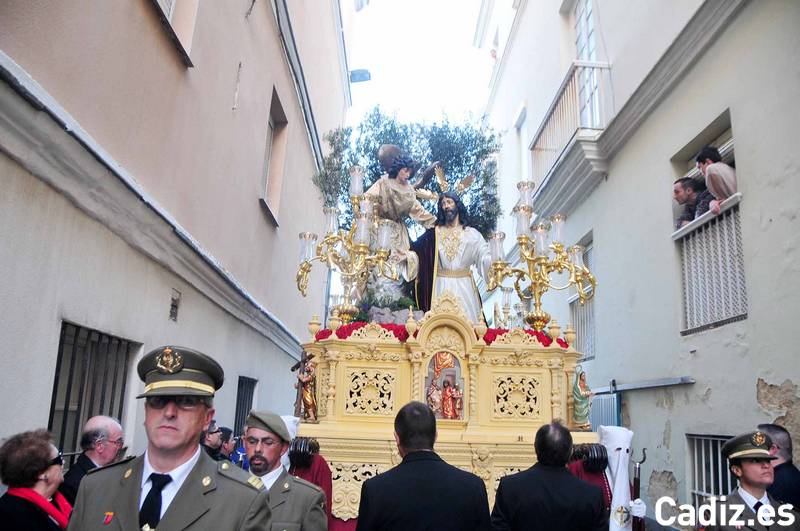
421 59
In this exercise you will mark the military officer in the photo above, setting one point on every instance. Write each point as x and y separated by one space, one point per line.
295 503
174 485
749 460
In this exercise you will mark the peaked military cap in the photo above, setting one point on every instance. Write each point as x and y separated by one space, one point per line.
179 371
267 420
751 445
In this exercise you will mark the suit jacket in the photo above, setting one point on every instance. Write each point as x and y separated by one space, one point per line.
548 498
734 498
297 505
216 496
423 493
73 477
786 486
17 513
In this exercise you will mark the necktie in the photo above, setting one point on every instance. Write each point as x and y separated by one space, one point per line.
756 507
150 513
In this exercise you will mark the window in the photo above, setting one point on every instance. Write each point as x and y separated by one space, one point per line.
178 18
709 475
586 50
712 260
91 374
274 154
244 403
583 316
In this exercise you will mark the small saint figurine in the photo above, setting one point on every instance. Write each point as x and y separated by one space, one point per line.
307 380
581 401
434 397
458 396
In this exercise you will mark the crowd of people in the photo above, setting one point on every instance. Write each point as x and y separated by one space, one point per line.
716 183
186 477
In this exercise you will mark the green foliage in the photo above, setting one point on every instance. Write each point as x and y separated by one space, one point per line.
370 300
462 149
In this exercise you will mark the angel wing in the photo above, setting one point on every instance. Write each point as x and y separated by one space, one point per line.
441 179
465 183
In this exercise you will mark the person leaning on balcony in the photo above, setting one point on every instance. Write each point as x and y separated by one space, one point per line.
693 196
720 179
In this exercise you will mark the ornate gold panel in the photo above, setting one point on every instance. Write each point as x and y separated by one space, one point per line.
347 481
370 391
516 396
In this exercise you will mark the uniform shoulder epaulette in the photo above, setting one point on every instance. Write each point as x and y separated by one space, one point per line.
301 481
231 471
112 465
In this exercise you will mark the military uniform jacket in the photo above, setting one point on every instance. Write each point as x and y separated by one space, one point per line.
214 496
748 515
297 505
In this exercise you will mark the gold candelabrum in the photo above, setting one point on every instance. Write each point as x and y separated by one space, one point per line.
542 254
353 253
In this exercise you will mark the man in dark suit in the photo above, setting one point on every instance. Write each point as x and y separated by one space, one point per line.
546 496
101 442
423 492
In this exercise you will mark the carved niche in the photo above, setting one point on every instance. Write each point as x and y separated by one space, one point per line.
370 392
347 479
516 396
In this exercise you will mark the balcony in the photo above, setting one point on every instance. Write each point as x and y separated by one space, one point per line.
565 156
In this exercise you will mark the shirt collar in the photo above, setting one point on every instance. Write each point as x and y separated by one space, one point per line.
751 500
270 478
178 474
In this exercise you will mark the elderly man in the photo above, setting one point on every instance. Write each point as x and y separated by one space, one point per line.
211 440
175 484
101 441
786 486
294 502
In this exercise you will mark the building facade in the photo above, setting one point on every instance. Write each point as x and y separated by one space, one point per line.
604 104
156 163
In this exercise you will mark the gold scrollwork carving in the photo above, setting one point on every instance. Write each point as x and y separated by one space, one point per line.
370 392
374 332
516 396
445 338
371 353
347 480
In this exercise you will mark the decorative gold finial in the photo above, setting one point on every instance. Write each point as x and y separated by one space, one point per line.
554 329
569 334
481 328
411 324
334 322
314 325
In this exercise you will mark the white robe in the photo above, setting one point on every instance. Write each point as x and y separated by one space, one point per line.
472 251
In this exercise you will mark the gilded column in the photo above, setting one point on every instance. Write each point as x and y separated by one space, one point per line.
333 361
474 360
556 375
416 381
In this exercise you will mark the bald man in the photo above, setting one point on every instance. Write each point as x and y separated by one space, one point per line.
101 441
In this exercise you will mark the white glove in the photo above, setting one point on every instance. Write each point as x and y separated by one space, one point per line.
638 508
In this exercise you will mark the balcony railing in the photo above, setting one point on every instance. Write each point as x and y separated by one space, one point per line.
582 102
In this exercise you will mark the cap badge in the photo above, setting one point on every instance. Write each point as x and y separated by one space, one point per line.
168 361
758 438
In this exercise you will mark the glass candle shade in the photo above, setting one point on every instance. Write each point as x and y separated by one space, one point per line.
576 255
557 222
361 236
356 181
308 241
384 234
522 220
525 193
496 246
331 220
507 296
541 239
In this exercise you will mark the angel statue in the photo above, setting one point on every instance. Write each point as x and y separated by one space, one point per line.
393 198
449 251
581 401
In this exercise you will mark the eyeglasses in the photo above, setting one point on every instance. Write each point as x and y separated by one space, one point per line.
187 403
214 432
119 443
266 441
57 460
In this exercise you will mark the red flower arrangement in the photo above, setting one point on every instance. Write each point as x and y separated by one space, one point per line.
541 337
345 331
